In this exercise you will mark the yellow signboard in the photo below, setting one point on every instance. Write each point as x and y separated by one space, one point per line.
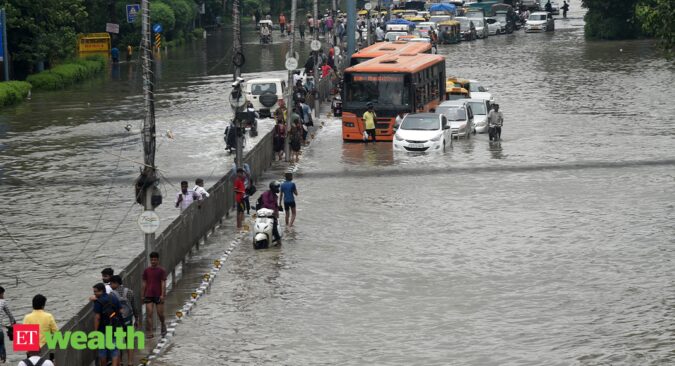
93 42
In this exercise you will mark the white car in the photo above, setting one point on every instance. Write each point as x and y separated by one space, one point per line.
478 91
480 109
540 21
392 36
423 132
265 94
482 30
495 27
459 115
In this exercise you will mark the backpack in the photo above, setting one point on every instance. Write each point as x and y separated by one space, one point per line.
125 307
27 362
110 314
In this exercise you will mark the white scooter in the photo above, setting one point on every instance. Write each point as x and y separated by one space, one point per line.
262 231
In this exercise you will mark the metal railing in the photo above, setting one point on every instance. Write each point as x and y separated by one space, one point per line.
173 245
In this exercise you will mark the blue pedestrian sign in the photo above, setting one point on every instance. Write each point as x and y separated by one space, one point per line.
157 28
132 12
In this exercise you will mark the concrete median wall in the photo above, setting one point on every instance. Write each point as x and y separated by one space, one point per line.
173 245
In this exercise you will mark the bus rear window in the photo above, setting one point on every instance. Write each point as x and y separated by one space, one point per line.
380 89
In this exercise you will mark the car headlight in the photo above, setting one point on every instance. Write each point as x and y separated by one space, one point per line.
398 138
437 138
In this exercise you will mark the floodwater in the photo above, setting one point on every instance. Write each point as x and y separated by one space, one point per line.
553 247
67 166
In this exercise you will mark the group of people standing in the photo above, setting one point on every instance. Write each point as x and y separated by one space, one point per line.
114 305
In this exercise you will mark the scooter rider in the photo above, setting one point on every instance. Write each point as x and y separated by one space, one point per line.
270 200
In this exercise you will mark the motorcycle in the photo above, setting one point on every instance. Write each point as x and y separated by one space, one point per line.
262 232
230 138
336 106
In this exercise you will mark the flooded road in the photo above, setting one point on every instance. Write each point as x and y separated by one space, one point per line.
553 247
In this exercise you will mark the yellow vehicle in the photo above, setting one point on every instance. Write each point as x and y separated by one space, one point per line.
397 12
417 20
363 12
448 32
452 92
459 82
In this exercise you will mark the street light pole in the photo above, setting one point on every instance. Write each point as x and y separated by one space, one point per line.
148 136
237 56
289 98
317 101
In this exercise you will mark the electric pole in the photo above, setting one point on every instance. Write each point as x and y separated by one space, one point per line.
351 29
237 55
289 103
317 101
148 178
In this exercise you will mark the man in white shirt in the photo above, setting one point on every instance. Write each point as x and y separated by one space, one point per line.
185 197
35 360
495 123
199 188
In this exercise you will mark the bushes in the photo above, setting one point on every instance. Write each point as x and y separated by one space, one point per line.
12 92
66 74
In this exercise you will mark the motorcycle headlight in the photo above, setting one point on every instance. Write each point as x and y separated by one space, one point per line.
398 138
437 138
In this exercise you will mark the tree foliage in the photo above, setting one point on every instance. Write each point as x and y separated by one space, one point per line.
657 18
42 30
610 19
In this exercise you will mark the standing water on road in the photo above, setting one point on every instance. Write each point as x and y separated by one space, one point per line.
553 247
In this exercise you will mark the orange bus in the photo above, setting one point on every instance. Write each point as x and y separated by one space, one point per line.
387 48
400 83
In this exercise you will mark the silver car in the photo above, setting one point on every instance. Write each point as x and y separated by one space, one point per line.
459 115
480 109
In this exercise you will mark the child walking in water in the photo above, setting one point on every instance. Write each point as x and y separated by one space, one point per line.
288 193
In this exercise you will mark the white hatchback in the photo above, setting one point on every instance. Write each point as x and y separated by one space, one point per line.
423 132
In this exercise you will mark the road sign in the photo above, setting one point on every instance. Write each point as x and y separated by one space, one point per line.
157 28
315 45
237 102
291 63
148 221
132 12
368 6
112 28
295 54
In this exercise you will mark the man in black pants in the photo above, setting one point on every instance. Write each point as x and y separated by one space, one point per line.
495 122
369 118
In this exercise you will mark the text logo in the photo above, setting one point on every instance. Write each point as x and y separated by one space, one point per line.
26 337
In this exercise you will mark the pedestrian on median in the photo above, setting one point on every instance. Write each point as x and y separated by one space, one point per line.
199 189
369 118
106 275
279 139
34 359
296 138
239 193
548 7
565 8
495 122
4 308
301 28
185 197
44 319
107 310
130 317
287 196
153 289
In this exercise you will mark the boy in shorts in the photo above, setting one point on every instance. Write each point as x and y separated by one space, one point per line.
287 196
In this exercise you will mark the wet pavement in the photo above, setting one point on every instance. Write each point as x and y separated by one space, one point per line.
551 247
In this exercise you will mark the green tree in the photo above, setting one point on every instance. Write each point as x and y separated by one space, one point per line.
42 30
657 18
611 19
184 12
163 14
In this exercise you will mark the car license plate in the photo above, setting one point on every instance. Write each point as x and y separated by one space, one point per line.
416 146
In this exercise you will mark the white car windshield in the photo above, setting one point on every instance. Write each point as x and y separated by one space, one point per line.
478 23
476 88
453 113
478 107
420 123
537 17
258 89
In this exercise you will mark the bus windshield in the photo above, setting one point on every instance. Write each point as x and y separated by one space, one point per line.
384 90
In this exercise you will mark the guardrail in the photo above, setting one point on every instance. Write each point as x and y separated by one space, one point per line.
173 245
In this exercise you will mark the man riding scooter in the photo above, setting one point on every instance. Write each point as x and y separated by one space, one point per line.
270 200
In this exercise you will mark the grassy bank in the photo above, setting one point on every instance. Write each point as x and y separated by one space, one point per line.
12 92
67 74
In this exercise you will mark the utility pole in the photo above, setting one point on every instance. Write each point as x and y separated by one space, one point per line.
148 177
5 49
317 101
289 103
237 55
351 29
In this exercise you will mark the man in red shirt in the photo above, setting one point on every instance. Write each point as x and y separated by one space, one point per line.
239 192
282 23
154 291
